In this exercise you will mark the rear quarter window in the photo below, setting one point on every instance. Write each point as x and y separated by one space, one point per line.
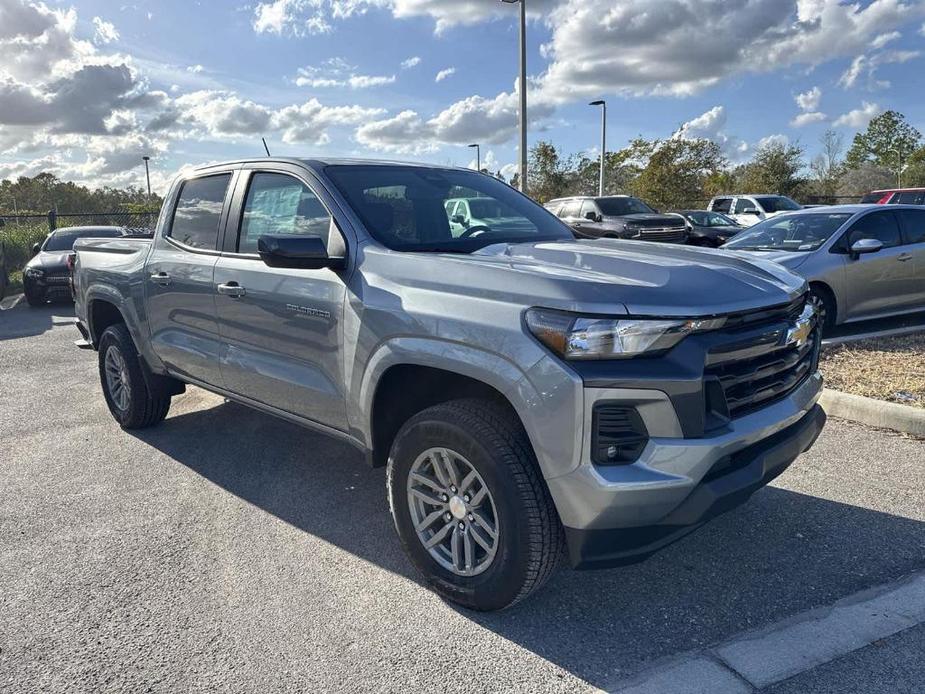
198 211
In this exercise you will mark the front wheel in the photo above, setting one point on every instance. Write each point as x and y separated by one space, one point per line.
469 505
124 387
824 303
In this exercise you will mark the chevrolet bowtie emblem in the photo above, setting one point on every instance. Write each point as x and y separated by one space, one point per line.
798 333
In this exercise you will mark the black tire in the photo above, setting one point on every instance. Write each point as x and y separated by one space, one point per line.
824 301
34 298
530 537
143 409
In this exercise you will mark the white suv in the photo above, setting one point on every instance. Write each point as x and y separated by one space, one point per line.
751 209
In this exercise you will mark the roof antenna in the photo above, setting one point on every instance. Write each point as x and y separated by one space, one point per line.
265 145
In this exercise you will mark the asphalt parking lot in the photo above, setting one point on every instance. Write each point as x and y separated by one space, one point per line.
227 550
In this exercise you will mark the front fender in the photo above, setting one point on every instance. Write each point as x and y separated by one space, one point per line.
547 398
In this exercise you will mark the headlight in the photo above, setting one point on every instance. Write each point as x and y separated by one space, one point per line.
34 272
573 336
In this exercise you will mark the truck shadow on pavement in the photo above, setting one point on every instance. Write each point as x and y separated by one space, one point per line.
21 320
782 553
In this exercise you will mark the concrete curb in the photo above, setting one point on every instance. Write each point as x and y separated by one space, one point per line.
875 413
833 341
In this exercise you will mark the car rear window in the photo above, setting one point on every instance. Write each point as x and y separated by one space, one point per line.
199 211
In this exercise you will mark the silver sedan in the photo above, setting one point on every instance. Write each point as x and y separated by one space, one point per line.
862 261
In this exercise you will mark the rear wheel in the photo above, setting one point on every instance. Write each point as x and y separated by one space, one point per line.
130 401
470 507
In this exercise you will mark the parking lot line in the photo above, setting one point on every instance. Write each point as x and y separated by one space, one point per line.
793 646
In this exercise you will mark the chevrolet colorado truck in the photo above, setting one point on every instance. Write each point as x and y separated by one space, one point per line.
532 395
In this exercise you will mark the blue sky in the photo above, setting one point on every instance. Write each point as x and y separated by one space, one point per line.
87 87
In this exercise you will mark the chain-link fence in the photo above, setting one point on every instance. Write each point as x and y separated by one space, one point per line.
141 221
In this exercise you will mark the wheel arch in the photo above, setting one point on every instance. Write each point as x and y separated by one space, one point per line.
826 288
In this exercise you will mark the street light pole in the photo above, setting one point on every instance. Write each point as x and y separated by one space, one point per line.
523 92
148 176
603 105
478 157
899 170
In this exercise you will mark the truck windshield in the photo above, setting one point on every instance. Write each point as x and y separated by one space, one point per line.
792 232
410 208
619 207
777 203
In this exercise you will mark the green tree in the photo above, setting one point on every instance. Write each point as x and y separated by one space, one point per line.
618 174
888 142
914 171
548 174
775 168
674 172
45 191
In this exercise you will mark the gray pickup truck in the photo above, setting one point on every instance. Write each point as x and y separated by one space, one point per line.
529 392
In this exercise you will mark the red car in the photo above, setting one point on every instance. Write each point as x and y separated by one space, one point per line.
906 196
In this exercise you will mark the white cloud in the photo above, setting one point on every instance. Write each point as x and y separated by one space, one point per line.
807 118
411 62
859 117
866 66
773 141
882 40
657 47
809 101
711 125
443 74
473 119
337 72
105 32
195 69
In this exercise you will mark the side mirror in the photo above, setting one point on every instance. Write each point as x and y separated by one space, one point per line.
591 215
750 210
36 247
862 246
296 252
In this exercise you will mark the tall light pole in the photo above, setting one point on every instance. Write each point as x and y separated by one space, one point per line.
478 157
603 105
148 175
899 170
523 92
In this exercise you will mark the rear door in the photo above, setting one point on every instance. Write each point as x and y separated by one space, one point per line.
180 297
913 223
884 281
281 326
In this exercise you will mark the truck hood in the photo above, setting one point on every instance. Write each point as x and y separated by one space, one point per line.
789 259
605 276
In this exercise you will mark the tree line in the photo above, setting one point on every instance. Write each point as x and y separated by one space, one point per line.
675 173
44 192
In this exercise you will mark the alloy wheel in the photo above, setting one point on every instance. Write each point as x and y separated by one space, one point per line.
117 379
453 512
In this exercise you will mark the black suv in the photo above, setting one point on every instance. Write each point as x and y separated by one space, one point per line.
618 217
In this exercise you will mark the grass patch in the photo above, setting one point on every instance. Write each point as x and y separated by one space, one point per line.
885 368
18 240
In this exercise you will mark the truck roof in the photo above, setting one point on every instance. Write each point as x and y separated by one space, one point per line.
321 162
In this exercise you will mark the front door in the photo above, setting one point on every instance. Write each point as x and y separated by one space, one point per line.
884 281
282 327
178 281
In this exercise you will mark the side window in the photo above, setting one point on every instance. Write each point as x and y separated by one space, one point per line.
570 209
910 197
914 225
742 204
280 204
586 207
199 211
878 225
723 205
463 209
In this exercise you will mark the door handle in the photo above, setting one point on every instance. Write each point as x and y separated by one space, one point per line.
161 278
232 289
904 257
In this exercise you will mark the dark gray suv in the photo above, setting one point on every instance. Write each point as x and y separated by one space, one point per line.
618 217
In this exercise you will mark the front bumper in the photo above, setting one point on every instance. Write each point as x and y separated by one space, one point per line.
621 514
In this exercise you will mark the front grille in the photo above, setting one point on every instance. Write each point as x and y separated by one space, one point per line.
784 312
57 279
765 374
664 234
